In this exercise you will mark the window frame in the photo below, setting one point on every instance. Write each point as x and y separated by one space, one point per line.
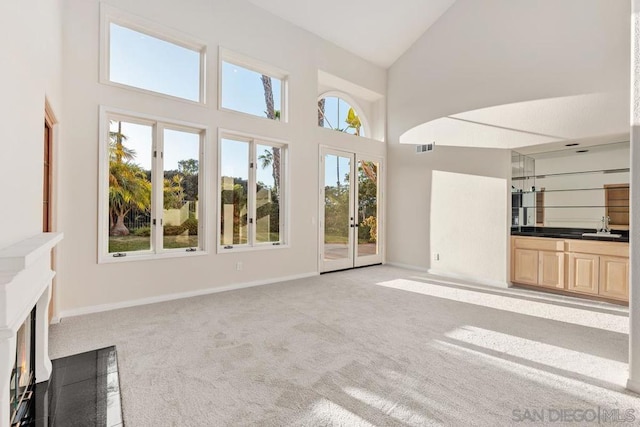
285 214
158 125
110 14
354 104
231 57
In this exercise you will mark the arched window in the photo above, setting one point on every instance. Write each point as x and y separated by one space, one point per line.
337 114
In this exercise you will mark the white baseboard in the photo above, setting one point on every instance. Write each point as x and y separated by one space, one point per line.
472 279
54 320
170 297
408 267
633 385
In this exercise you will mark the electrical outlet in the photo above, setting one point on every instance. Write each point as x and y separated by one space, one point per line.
238 265
436 257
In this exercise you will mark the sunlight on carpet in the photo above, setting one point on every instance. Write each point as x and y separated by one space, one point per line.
554 357
576 316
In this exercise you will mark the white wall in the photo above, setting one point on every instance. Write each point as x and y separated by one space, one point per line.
451 201
31 36
240 27
493 52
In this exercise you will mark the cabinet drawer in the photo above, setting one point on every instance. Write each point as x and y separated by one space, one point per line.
538 243
618 249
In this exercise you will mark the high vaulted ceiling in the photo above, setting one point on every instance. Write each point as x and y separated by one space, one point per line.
376 30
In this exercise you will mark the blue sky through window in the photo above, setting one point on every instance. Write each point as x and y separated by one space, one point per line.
178 145
142 61
242 90
336 168
335 113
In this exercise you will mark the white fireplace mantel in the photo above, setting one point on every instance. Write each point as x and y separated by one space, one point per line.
25 282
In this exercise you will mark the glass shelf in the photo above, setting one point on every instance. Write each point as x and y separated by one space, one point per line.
603 171
559 190
575 206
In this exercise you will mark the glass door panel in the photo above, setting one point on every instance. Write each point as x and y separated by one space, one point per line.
338 212
367 208
350 217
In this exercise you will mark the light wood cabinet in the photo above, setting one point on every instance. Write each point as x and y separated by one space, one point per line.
584 273
526 266
614 277
581 266
538 262
551 269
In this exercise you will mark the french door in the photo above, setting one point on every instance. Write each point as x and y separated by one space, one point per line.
350 226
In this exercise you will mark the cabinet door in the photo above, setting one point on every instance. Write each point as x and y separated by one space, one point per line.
525 266
584 273
551 269
614 277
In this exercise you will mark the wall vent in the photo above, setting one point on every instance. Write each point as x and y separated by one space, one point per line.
425 147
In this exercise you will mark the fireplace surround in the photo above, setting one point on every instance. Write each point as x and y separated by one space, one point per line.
25 288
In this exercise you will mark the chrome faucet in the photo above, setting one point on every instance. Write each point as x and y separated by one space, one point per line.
605 225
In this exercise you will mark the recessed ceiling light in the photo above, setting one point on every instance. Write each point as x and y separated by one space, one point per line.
582 151
573 144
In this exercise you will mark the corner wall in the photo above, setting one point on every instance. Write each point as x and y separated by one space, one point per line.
31 71
452 202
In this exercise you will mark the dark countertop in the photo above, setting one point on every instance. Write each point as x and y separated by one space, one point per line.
568 233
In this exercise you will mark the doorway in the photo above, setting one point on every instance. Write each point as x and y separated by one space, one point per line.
350 200
48 193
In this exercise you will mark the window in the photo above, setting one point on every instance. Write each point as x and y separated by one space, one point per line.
143 59
150 192
251 191
252 88
337 114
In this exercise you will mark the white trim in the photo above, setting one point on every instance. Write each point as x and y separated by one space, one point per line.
110 14
480 281
285 206
251 64
339 84
158 124
408 266
633 385
352 103
354 259
248 63
179 295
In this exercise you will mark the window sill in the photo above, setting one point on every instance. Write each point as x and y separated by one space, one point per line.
127 87
251 116
107 259
265 247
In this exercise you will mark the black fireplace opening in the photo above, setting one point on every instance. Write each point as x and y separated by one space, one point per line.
21 388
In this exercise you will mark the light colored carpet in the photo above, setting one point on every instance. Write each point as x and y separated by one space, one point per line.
378 346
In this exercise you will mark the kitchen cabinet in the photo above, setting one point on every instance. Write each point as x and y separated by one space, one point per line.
614 277
526 262
538 262
584 273
586 267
